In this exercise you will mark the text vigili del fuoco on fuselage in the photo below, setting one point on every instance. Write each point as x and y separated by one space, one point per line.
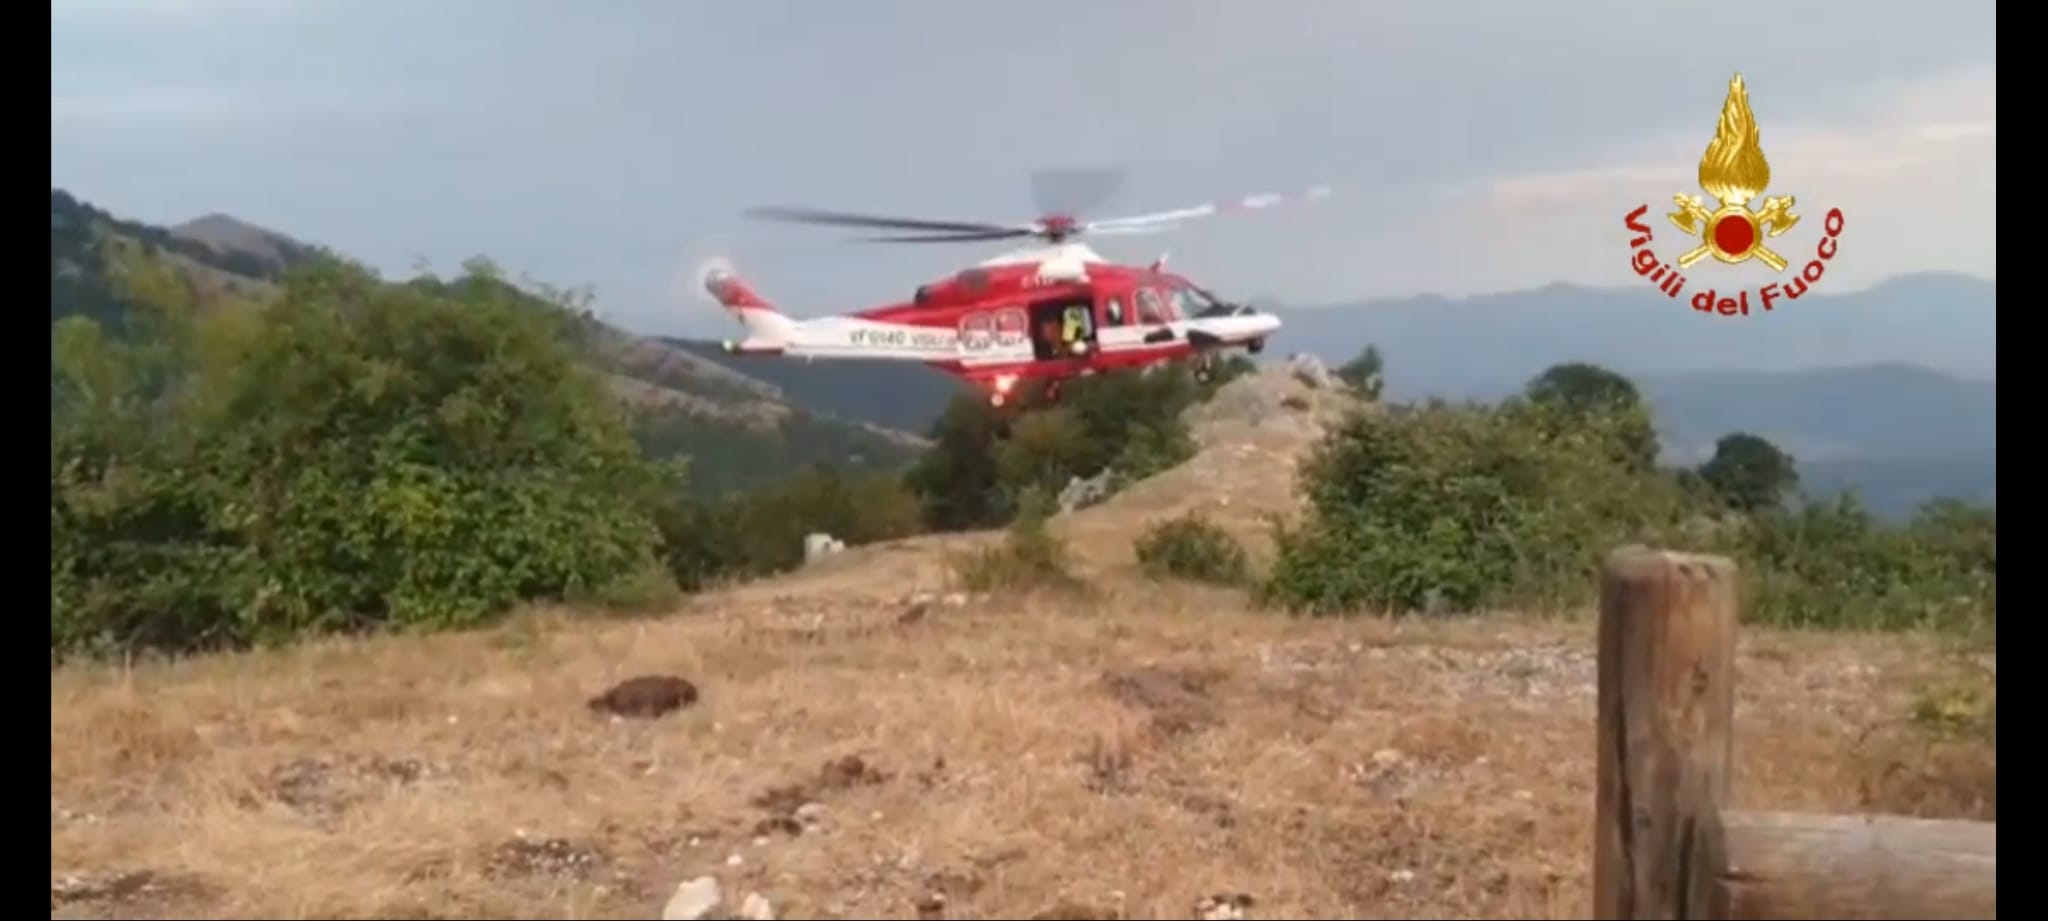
1667 279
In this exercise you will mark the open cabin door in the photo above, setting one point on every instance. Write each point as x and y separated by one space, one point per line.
1063 328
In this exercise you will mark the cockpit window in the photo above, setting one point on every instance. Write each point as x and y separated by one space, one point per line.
1195 302
1149 307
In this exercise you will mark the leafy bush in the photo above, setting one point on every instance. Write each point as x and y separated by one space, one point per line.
1365 373
762 532
1749 473
1464 506
1832 565
1192 547
1459 507
1029 557
1577 391
983 458
357 453
1041 452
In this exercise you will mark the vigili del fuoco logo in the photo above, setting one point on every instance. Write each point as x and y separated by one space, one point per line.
1734 171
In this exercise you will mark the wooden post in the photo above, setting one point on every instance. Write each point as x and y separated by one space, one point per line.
1861 868
1666 701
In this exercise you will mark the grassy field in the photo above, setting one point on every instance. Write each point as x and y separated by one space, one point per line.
1016 760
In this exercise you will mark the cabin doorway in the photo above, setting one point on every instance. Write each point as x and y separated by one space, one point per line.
1063 328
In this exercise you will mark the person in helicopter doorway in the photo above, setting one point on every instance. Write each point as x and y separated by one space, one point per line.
1074 329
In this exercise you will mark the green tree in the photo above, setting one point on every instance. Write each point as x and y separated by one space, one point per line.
1577 391
1366 373
956 479
1128 422
354 453
1042 451
1749 473
1461 507
1583 387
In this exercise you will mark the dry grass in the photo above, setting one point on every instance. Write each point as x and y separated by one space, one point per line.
1131 759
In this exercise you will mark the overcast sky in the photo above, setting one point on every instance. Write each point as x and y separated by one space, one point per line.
1472 145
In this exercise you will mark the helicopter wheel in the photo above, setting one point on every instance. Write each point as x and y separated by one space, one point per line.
1255 346
1204 373
996 400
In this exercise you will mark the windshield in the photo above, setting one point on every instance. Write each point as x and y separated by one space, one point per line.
1195 302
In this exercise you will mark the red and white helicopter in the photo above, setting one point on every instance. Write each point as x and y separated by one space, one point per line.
1046 313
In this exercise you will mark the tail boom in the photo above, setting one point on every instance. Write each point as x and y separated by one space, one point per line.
768 330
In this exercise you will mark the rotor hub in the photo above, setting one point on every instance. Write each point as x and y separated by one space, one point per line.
1058 227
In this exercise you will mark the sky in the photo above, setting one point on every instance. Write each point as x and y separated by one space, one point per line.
1470 145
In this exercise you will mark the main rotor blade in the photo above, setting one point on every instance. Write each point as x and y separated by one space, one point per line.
964 237
1134 229
1074 190
842 219
1247 203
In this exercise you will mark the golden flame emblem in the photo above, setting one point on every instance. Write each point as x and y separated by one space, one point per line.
1734 171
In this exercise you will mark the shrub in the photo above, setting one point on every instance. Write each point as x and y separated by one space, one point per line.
1461 507
1365 373
1041 452
762 532
1192 547
355 454
1029 557
1458 507
982 458
1831 564
1749 473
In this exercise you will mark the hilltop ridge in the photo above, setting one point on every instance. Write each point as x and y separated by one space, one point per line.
1250 437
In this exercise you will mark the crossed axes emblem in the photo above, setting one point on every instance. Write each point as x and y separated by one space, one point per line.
1693 217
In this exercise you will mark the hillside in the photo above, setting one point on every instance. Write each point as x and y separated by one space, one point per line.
1897 433
1890 411
897 395
739 430
860 751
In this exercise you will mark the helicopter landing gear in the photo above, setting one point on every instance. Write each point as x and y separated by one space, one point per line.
997 400
1205 371
1255 346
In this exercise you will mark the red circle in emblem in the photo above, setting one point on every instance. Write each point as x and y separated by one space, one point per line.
1734 234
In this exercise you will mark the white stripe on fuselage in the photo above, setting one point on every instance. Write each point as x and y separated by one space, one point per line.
851 337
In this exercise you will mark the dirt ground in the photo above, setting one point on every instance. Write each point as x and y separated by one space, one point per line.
850 755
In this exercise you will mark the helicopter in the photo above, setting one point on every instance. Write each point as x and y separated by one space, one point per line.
1046 313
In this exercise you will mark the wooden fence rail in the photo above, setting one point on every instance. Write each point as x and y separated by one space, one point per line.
1664 845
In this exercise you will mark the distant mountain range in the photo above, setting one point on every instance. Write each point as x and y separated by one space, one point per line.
1488 345
899 395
